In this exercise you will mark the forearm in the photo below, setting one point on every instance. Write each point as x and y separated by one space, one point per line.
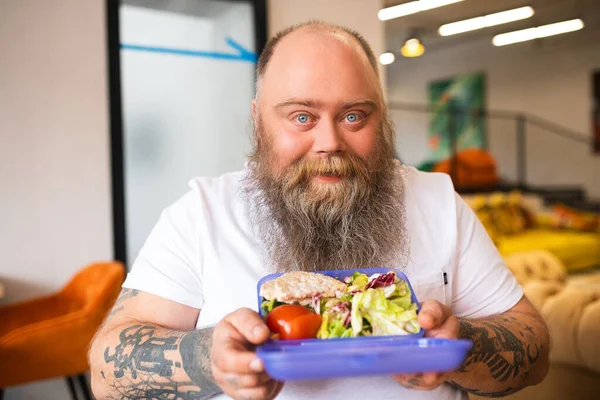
510 351
138 361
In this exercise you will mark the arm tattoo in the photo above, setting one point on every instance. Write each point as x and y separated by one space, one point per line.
503 349
125 294
503 346
195 355
167 365
477 392
155 391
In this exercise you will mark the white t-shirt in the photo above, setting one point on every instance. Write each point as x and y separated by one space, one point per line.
203 253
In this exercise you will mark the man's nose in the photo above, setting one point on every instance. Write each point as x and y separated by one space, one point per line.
328 139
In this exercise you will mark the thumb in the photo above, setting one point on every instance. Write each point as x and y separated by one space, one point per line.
433 314
249 325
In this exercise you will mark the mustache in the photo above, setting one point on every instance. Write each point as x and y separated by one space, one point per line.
347 166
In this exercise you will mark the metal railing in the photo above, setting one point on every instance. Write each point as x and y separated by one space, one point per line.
523 126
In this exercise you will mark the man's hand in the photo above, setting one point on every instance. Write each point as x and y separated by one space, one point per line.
235 367
438 322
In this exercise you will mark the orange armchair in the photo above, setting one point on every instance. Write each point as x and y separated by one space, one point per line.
48 337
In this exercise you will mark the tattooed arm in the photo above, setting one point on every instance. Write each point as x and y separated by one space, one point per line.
147 348
510 351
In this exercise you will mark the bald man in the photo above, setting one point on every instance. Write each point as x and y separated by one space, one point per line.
321 191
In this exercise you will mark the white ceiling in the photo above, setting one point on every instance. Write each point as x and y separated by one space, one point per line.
546 11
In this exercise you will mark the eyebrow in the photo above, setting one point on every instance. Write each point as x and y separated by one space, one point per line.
318 104
299 102
366 102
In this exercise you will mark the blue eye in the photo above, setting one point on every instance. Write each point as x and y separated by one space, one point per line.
353 117
302 118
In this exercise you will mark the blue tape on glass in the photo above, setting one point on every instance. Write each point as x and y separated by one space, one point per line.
242 53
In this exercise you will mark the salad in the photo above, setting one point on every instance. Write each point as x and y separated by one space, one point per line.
302 305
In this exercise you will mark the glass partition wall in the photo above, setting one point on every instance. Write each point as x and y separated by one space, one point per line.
182 82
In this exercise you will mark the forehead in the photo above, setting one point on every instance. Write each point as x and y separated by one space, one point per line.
319 65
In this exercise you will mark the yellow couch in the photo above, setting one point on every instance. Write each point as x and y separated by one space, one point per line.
519 223
577 250
570 305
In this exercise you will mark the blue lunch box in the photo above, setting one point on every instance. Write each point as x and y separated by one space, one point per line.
306 359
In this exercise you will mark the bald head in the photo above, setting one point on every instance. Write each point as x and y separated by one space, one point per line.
313 33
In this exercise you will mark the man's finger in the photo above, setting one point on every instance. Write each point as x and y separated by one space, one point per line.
249 324
245 381
433 314
230 360
406 377
432 379
426 381
275 389
449 330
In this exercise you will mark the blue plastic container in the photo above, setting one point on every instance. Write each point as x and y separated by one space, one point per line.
288 360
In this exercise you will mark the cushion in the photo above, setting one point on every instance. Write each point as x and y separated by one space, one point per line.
589 332
502 214
539 291
576 250
572 313
563 217
538 265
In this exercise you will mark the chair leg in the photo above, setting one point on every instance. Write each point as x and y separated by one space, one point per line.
85 388
1 394
71 384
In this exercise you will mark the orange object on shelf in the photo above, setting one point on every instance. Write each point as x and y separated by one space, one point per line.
474 169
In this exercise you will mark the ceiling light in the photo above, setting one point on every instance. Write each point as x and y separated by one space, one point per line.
486 21
387 58
412 48
538 32
412 7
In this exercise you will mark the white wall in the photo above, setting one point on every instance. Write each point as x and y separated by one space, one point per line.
360 15
550 79
55 207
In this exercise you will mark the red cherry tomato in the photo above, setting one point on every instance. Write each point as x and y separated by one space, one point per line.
279 315
303 327
293 322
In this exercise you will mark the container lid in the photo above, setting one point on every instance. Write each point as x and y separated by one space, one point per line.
337 358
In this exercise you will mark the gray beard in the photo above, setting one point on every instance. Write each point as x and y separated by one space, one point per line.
365 230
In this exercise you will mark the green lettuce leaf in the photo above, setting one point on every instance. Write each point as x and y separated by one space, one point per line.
394 316
332 326
360 281
269 305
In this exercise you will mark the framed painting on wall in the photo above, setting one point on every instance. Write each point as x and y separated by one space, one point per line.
456 105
